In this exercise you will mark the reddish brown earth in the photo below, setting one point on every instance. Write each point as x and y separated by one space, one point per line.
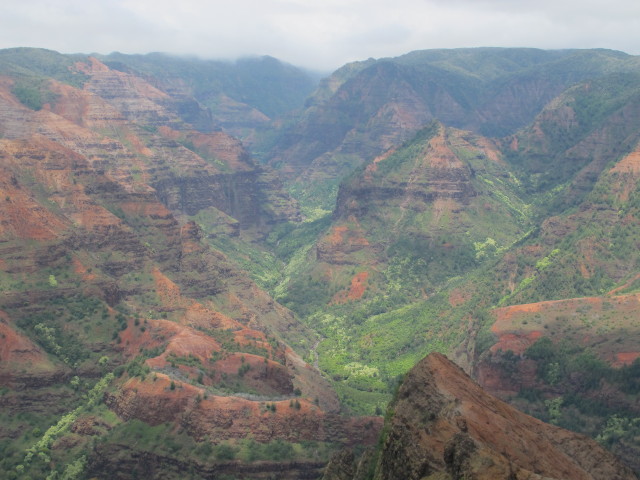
97 187
341 242
458 297
445 426
16 351
373 166
355 291
625 358
605 324
437 176
223 418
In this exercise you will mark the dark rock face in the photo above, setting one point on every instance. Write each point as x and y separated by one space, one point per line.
445 426
243 196
122 463
341 466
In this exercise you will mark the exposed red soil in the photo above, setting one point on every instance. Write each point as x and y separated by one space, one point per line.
629 164
248 336
22 362
138 146
180 340
83 271
167 290
83 108
342 241
232 362
345 235
373 166
489 149
626 285
157 332
606 324
224 418
190 238
625 358
197 315
440 155
217 145
517 343
170 133
100 72
22 215
184 341
505 314
444 421
441 207
260 375
223 147
355 291
54 167
58 187
16 348
147 209
336 236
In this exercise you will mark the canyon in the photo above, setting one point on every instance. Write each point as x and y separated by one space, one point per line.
203 271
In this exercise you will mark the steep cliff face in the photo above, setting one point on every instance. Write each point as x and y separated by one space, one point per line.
130 126
104 270
114 184
443 425
431 188
191 170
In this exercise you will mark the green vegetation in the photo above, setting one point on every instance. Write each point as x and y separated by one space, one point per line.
64 325
570 378
32 93
164 440
37 64
419 255
37 458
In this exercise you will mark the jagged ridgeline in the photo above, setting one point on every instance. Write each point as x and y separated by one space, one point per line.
366 107
470 435
225 268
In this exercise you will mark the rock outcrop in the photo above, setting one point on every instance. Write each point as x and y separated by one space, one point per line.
443 425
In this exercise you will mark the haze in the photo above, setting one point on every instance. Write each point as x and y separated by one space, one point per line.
317 34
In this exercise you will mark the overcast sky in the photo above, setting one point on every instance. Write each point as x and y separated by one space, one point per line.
318 34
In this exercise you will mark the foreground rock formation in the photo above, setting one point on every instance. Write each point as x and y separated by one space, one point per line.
442 425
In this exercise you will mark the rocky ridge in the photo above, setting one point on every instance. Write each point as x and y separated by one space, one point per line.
441 424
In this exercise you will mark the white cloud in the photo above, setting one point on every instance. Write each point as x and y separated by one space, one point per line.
321 34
